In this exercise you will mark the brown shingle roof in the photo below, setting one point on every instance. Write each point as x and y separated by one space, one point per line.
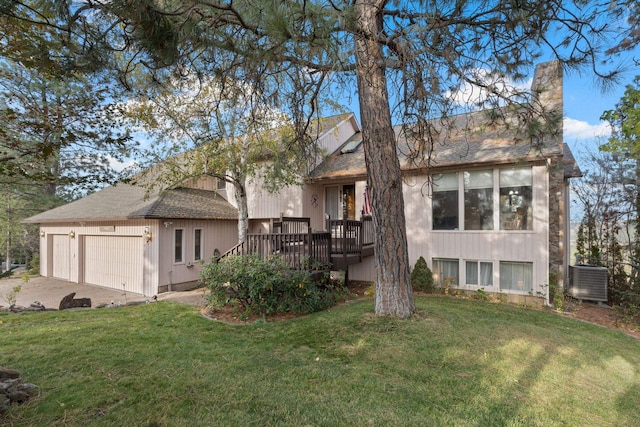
123 201
468 141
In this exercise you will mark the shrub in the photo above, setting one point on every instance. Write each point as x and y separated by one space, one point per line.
421 277
250 284
34 265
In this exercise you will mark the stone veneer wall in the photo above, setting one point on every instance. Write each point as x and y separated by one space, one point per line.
547 88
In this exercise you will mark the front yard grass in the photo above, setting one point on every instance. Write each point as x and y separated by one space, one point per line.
458 362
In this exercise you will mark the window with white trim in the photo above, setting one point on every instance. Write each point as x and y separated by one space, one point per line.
445 271
516 276
516 199
178 245
479 273
197 244
484 203
478 200
444 204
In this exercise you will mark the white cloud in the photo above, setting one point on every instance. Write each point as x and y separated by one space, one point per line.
470 95
578 129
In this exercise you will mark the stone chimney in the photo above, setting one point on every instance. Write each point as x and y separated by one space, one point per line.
547 86
547 92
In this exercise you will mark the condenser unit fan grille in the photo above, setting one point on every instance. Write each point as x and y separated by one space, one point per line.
588 282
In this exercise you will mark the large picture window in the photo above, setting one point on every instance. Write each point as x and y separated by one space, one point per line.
178 245
445 271
445 201
516 199
479 273
478 200
516 276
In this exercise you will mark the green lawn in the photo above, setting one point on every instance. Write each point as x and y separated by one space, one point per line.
459 362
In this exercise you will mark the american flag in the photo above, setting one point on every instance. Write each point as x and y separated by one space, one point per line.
366 207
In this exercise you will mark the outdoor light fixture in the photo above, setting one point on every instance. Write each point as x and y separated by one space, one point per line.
41 233
147 235
72 234
167 224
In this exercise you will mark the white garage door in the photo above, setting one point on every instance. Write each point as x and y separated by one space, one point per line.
60 257
114 262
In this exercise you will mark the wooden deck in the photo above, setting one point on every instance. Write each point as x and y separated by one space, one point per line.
343 243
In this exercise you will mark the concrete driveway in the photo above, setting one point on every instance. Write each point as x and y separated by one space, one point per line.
49 291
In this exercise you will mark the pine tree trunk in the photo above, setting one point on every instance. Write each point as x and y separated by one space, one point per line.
394 296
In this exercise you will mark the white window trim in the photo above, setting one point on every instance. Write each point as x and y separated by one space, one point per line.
494 277
515 291
496 206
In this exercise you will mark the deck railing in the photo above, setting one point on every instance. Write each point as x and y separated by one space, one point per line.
308 249
301 251
368 233
291 225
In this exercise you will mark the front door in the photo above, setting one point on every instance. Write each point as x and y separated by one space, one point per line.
340 201
349 201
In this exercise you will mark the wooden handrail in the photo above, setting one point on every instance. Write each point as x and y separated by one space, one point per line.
309 249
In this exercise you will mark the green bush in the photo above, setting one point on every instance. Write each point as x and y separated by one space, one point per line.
252 285
421 277
34 265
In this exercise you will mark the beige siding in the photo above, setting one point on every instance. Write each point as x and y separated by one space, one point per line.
114 262
262 204
493 246
364 271
334 138
217 234
313 206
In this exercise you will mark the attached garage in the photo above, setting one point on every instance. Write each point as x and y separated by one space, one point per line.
114 262
122 238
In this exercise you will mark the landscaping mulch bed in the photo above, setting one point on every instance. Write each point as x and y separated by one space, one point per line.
589 312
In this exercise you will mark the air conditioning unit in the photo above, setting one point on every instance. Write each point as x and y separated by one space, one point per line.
588 282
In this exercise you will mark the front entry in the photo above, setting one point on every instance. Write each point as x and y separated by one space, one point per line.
341 201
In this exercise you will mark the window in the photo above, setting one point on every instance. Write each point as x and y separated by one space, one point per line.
332 202
340 202
197 244
445 271
178 245
445 202
479 273
478 200
516 276
516 199
222 184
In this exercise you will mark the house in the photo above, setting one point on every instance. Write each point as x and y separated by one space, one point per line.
488 213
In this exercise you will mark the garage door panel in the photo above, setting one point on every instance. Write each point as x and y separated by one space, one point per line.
61 257
114 262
